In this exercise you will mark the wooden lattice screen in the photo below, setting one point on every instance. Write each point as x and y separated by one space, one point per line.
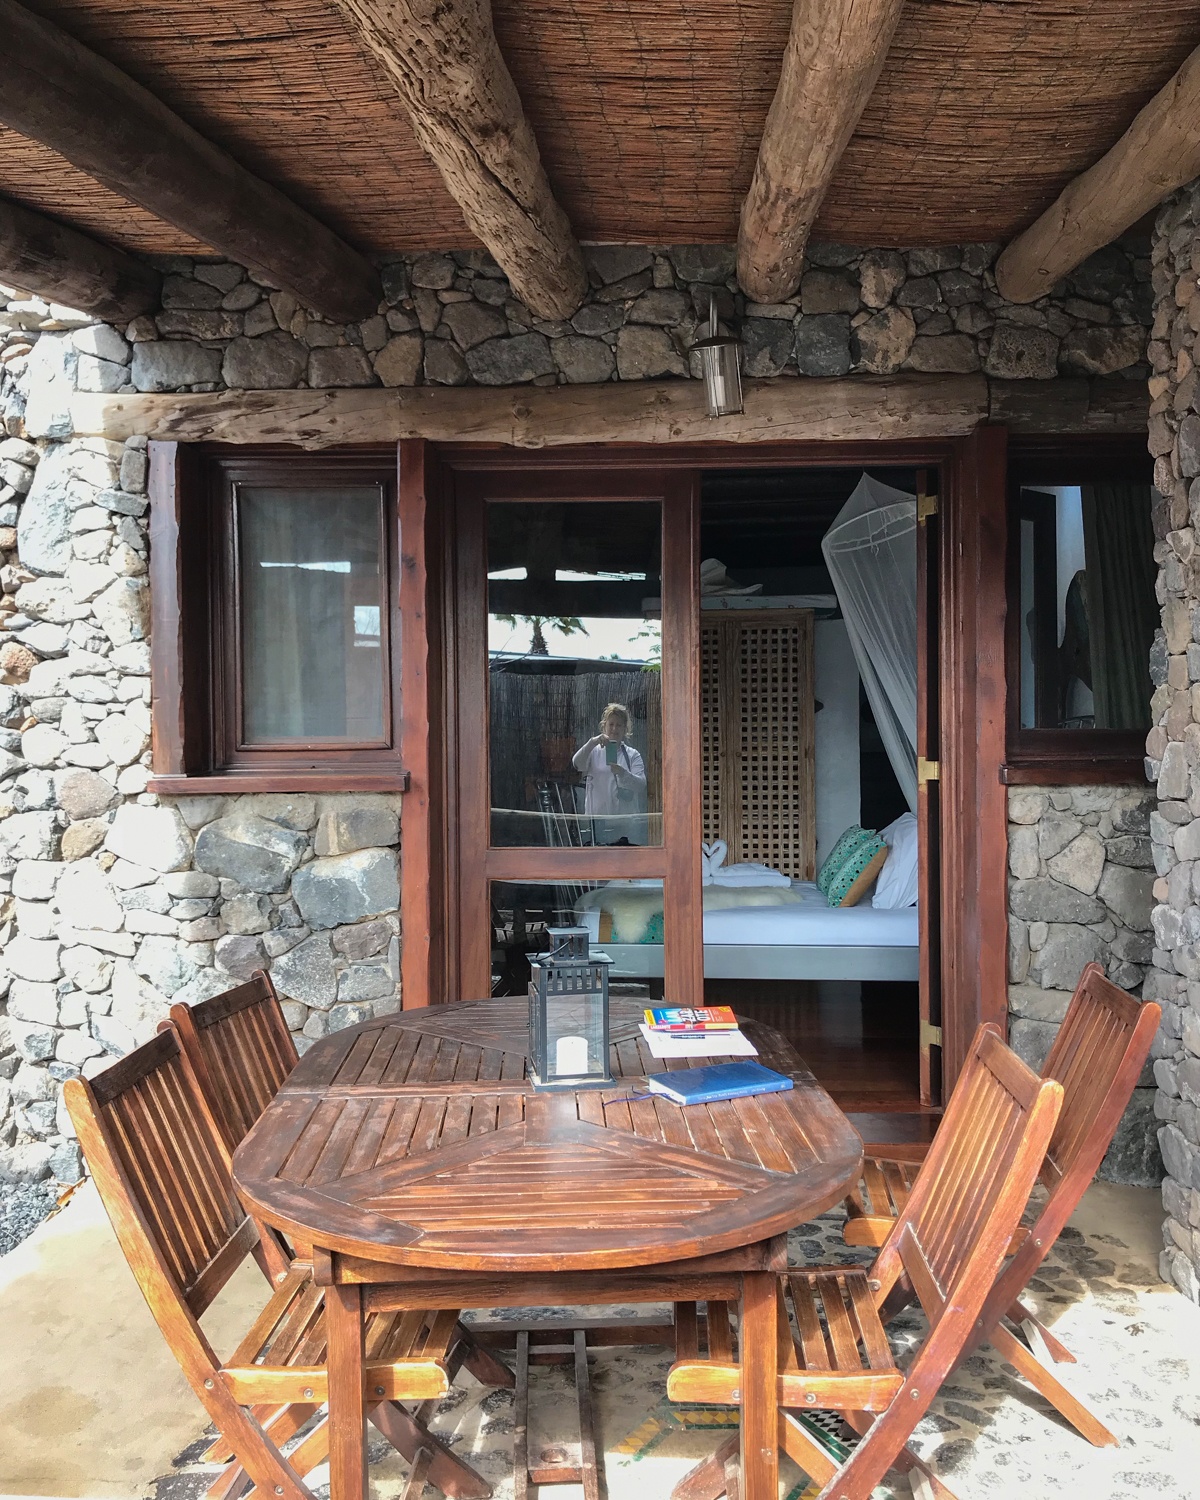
756 728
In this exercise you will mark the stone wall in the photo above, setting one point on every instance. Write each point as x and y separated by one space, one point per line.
451 320
1173 746
1080 877
114 904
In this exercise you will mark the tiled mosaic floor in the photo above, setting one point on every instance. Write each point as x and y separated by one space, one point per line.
1137 1341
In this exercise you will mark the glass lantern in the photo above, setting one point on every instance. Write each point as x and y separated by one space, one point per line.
568 1014
720 362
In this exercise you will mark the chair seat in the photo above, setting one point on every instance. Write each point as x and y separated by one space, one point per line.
837 1357
880 1196
282 1357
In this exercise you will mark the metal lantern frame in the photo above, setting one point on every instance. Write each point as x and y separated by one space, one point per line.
721 364
569 974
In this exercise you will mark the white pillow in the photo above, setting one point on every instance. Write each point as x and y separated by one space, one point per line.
897 883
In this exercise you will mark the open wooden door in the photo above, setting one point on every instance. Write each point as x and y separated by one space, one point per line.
570 550
928 771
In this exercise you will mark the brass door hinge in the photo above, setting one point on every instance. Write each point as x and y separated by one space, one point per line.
931 1036
927 770
927 505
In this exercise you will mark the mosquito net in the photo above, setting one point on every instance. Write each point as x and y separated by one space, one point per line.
871 553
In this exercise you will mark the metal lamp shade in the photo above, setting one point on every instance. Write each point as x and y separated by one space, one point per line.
568 1014
721 364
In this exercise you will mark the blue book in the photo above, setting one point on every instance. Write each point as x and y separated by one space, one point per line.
731 1080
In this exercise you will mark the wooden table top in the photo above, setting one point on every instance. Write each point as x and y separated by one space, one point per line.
416 1140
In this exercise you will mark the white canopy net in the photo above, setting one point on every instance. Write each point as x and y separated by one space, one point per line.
871 553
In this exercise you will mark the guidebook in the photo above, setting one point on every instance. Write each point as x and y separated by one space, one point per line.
732 1080
678 1019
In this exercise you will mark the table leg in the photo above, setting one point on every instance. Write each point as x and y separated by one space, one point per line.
347 1410
760 1397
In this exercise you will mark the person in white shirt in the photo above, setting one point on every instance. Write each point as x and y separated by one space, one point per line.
615 795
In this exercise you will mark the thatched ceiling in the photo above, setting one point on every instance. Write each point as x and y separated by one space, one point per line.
648 114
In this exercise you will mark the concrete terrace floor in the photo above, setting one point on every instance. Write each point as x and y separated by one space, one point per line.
93 1405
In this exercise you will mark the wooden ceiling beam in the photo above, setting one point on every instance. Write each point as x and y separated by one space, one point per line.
61 265
443 60
1158 153
58 92
834 56
668 412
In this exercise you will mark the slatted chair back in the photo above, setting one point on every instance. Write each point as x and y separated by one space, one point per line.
162 1168
240 1047
947 1232
1097 1056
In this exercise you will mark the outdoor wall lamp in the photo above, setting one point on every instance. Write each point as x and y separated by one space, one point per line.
721 363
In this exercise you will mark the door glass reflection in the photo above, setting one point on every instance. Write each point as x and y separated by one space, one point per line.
574 679
623 918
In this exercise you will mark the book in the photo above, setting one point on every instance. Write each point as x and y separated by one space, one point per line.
733 1080
700 1018
666 1044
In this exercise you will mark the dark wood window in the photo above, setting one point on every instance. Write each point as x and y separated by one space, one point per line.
1081 609
275 631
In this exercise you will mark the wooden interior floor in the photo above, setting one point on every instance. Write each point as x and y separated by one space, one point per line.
859 1040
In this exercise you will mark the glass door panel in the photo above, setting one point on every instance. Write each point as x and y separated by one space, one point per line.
574 673
576 683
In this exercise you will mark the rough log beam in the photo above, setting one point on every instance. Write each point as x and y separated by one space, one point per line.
59 93
833 59
1158 153
62 265
443 59
853 409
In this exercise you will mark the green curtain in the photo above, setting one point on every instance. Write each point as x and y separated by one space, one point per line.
1118 545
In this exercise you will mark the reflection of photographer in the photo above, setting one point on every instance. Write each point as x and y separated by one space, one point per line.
616 775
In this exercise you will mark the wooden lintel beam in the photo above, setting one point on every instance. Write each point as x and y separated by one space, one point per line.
443 60
61 265
670 412
60 93
834 56
1158 153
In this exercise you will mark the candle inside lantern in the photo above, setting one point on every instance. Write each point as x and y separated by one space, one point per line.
571 1056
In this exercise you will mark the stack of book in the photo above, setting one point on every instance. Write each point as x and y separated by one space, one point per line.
697 1031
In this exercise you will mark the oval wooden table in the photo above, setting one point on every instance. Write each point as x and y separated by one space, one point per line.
424 1170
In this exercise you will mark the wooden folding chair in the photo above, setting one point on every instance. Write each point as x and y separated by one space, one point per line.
948 1241
240 1049
1098 1057
163 1172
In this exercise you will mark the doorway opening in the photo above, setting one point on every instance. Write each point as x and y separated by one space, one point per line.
795 757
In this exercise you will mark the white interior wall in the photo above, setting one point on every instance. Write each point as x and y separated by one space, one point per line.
836 738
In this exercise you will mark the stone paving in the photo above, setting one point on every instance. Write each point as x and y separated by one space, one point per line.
1138 1344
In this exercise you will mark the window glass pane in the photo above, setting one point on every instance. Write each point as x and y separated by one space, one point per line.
575 707
1088 609
522 911
313 606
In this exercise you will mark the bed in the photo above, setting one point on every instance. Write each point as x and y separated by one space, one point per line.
750 933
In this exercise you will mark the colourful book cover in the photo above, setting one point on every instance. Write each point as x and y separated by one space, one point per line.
697 1019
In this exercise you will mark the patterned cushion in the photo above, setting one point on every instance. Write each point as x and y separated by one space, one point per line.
839 854
858 872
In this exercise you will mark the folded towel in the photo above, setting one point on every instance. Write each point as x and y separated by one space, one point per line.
749 873
711 858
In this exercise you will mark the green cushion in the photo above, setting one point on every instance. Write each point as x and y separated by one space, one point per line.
853 837
857 863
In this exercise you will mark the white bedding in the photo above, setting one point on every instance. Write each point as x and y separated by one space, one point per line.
811 922
795 916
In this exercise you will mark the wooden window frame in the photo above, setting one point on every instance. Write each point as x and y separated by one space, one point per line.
1063 757
195 668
